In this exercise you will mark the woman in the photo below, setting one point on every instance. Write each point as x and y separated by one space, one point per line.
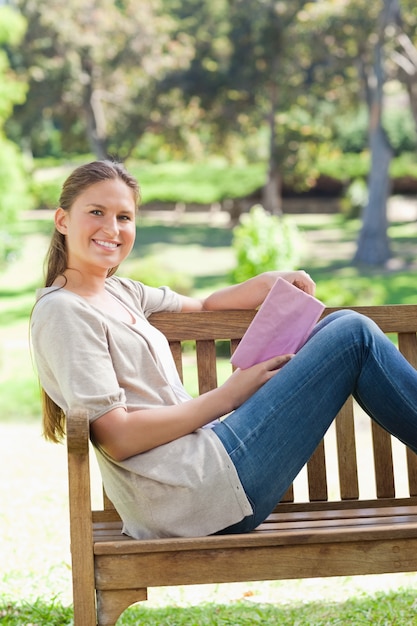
169 465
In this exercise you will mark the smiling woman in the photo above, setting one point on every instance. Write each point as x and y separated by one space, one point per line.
171 464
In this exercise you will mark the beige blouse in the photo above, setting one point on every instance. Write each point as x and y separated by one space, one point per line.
88 359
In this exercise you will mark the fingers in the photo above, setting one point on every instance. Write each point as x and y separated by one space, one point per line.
304 282
277 362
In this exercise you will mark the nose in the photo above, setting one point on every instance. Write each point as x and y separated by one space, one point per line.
111 226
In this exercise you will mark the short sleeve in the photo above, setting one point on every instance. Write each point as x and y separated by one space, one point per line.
72 355
143 298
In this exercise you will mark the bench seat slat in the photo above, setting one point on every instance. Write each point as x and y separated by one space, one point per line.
334 525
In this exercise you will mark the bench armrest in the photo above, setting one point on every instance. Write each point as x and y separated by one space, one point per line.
81 526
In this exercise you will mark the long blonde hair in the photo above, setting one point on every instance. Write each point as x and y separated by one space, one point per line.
56 261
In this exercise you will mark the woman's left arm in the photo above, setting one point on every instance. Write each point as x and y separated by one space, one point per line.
249 294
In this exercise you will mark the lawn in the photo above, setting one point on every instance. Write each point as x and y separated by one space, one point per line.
35 572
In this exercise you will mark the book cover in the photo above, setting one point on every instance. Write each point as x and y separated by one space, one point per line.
282 325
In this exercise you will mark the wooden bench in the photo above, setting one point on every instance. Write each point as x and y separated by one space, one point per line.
328 534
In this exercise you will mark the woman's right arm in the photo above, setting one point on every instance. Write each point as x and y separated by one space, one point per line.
123 434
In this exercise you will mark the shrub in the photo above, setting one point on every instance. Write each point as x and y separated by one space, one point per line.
355 198
264 242
14 196
152 273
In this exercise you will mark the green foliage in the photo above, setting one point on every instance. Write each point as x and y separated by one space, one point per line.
12 90
355 198
13 188
14 195
383 609
344 167
207 182
40 612
263 242
300 139
154 274
351 130
46 193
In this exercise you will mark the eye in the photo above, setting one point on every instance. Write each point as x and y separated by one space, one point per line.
96 212
125 218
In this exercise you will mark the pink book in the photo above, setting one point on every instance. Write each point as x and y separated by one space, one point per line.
282 325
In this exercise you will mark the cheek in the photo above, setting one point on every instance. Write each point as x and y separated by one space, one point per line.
130 236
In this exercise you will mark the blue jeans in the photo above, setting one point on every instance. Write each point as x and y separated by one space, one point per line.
274 433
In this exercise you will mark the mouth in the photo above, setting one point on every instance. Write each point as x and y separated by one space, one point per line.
109 245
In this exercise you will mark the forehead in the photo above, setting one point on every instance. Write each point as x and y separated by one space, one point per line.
112 193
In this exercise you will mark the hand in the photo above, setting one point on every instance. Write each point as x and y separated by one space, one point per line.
243 383
298 278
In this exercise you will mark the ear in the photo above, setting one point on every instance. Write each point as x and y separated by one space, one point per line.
61 221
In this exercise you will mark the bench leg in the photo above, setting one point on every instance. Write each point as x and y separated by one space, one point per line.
112 603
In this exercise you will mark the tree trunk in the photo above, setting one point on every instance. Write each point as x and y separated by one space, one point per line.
94 114
272 190
373 246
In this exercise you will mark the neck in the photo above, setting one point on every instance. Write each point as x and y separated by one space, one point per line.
83 283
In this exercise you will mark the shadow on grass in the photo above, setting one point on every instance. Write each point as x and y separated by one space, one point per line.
383 609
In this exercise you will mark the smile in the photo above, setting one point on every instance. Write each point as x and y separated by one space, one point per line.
106 244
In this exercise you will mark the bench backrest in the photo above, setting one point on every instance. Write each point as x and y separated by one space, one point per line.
339 461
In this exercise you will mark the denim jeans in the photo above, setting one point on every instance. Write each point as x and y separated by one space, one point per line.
274 433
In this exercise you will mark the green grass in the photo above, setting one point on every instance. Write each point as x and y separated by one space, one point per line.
391 609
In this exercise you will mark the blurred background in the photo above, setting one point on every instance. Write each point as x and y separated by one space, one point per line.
265 134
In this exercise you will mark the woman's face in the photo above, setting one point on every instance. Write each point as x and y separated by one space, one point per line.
100 227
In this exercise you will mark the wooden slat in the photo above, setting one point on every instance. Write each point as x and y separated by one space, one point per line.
346 452
316 472
391 318
299 560
206 365
177 355
107 503
407 343
289 495
80 518
203 325
232 324
383 463
412 471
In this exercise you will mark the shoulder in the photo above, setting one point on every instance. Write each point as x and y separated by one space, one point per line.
142 297
59 307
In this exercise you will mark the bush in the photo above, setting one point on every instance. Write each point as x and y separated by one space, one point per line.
152 273
14 195
355 198
351 131
264 242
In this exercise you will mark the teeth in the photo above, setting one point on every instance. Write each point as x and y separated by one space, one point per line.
106 244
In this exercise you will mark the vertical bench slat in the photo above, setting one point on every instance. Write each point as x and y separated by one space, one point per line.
383 463
289 495
316 473
233 345
407 343
346 452
206 365
177 354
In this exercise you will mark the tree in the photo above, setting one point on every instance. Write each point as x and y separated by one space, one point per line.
247 78
92 67
13 187
373 244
